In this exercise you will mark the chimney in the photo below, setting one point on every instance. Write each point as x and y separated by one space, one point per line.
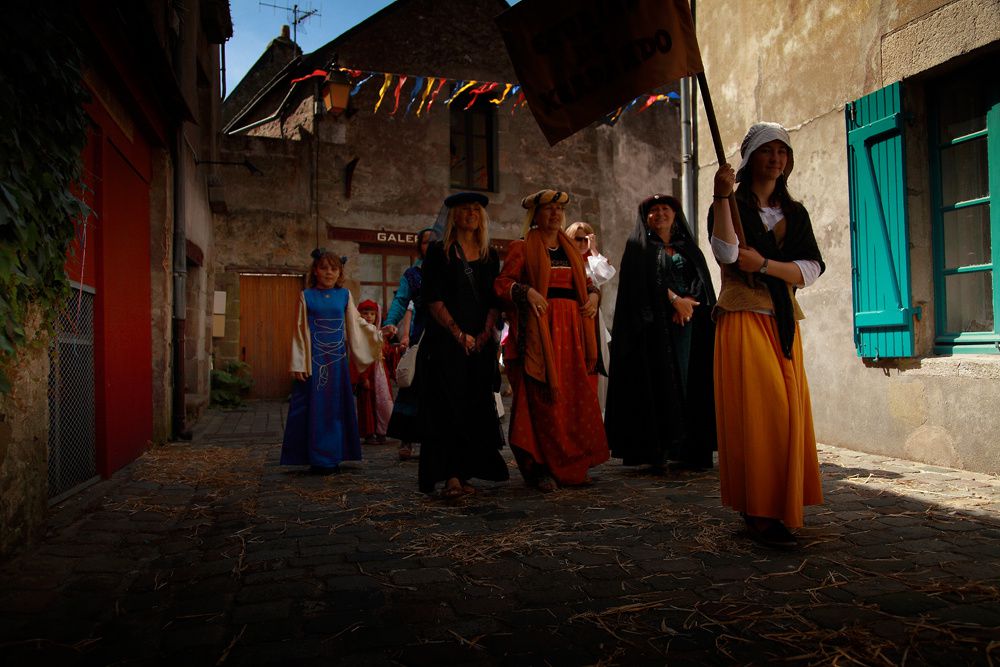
285 33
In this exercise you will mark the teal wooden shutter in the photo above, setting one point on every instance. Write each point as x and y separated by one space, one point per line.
880 253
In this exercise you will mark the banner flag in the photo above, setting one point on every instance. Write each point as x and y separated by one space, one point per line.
381 92
423 97
578 60
357 87
476 92
418 84
316 73
461 88
503 96
399 87
434 95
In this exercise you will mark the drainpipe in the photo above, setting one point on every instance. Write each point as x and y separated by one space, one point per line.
689 166
180 431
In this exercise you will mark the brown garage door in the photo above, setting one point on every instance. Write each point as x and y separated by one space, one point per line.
268 307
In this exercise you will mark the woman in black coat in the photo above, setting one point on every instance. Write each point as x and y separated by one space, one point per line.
661 406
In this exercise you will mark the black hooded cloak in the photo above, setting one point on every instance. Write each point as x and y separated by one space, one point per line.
650 416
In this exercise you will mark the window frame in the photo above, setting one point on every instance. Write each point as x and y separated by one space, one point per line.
979 342
485 108
388 284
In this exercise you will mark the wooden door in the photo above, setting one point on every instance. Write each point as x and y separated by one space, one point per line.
268 308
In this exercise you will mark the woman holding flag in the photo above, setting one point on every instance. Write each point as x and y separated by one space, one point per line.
768 465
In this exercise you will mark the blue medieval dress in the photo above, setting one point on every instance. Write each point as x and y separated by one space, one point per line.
322 425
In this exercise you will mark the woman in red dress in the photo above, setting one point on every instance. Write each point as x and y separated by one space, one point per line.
556 431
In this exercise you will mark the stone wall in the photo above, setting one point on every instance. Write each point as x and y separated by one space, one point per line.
24 419
161 214
799 64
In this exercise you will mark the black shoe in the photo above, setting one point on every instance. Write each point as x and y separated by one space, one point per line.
770 533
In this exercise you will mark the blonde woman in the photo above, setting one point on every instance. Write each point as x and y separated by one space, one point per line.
461 436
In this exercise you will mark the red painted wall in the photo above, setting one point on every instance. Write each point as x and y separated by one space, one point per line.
117 167
123 345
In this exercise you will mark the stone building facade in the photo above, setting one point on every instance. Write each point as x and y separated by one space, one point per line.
913 373
129 357
363 183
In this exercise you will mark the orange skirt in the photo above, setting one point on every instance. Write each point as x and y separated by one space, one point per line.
767 448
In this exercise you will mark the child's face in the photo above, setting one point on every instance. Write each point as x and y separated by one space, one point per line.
326 274
368 315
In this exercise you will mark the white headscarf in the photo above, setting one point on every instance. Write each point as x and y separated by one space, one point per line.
760 134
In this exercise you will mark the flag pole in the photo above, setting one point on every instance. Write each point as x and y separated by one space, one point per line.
713 125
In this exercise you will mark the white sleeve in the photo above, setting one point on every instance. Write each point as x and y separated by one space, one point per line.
363 340
725 252
600 269
810 271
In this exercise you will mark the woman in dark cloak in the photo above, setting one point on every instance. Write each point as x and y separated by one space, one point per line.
457 367
661 405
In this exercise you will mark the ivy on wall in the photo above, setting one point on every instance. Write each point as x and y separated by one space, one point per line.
43 131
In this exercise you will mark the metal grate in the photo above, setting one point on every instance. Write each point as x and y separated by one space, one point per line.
72 459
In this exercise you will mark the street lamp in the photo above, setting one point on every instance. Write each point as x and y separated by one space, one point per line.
336 91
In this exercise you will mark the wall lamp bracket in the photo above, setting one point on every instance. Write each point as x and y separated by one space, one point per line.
251 167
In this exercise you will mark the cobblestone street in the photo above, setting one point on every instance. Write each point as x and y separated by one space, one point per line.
209 553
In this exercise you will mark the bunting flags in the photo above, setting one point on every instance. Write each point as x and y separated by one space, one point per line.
357 86
462 87
399 87
434 95
381 93
426 89
417 85
476 92
503 95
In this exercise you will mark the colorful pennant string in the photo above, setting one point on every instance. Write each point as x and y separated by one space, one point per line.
428 88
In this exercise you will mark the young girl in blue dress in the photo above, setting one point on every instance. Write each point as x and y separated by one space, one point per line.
322 425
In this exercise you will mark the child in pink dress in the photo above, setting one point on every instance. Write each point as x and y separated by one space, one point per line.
373 390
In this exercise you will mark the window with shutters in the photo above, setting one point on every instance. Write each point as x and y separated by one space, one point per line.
880 261
964 147
961 201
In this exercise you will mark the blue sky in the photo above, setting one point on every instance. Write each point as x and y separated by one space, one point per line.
255 24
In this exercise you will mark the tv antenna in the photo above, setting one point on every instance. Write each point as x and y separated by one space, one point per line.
298 16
